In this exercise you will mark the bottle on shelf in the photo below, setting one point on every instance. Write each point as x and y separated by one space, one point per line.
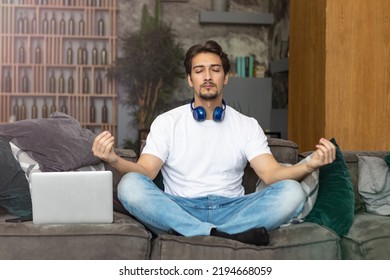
52 83
38 59
34 25
53 106
70 85
61 83
45 24
34 110
71 26
104 54
53 24
25 82
45 110
69 54
81 26
104 113
8 82
62 29
80 55
23 111
64 108
22 52
85 84
15 109
99 84
84 55
100 26
94 56
25 24
20 24
92 112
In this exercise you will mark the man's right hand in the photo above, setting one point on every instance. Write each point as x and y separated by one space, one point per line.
103 147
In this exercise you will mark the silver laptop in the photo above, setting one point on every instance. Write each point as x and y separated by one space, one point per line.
72 197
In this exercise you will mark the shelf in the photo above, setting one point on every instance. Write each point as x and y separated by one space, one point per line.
279 66
29 90
235 18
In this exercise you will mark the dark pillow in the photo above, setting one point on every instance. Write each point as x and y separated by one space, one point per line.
14 189
387 159
334 207
58 143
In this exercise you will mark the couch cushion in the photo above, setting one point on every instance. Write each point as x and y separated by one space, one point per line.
334 207
302 241
125 238
368 238
374 184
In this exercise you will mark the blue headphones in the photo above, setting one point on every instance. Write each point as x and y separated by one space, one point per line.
199 113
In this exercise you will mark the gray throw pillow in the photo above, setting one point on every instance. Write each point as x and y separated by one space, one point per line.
58 143
374 184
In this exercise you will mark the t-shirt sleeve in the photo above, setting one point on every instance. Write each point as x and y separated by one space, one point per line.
157 141
257 143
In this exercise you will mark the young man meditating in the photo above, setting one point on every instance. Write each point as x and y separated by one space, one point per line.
202 149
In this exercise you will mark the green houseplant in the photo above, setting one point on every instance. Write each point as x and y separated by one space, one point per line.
150 68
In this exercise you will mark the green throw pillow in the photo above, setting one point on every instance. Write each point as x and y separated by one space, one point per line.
334 207
387 159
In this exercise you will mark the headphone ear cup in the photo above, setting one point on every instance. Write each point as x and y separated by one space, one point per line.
219 114
199 114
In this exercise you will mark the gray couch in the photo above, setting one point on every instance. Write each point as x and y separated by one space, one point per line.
126 238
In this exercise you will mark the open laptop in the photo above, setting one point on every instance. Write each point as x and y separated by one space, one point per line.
72 197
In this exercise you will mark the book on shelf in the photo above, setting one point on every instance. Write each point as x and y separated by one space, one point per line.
245 66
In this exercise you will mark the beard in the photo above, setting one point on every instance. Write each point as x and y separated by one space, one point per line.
208 94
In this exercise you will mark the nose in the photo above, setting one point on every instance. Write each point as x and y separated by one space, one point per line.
207 76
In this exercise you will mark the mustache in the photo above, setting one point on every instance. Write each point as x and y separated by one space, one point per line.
208 83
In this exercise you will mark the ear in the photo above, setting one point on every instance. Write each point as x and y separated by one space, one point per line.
225 81
189 81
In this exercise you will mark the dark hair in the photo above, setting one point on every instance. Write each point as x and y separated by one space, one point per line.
209 46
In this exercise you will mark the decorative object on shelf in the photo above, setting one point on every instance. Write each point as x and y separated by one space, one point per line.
92 113
150 67
99 84
8 82
220 5
25 83
38 59
45 110
81 26
61 83
100 26
104 112
71 26
70 84
34 110
62 25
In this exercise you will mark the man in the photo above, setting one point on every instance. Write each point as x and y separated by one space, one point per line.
202 149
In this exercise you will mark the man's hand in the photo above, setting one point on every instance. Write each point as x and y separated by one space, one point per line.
325 154
103 147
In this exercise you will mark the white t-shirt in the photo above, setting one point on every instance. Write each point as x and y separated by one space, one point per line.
204 158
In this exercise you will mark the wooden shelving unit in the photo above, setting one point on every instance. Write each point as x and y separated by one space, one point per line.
54 56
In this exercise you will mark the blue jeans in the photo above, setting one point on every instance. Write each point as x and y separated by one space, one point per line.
162 212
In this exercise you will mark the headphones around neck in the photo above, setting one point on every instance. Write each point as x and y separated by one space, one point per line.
199 113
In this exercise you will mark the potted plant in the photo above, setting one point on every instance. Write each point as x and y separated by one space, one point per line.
150 68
